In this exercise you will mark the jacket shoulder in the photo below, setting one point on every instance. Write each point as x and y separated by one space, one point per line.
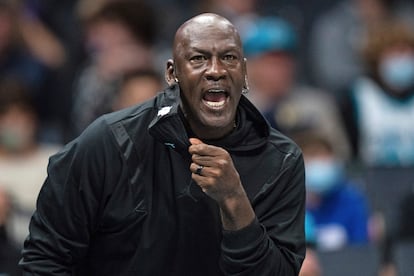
284 144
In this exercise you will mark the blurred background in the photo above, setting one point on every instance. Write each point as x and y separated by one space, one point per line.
336 76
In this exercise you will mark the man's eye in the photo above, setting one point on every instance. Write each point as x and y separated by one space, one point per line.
198 58
230 57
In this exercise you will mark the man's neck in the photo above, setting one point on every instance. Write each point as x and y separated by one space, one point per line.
205 133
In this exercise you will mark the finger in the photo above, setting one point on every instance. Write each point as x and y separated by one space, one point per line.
205 150
196 146
195 141
197 169
205 160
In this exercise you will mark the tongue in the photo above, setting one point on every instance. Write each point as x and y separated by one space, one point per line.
215 97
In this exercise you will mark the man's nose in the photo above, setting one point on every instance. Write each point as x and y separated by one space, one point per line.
215 70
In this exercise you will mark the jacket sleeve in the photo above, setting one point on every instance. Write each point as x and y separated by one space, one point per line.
274 244
68 206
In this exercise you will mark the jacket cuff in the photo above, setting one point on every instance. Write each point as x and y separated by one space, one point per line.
245 237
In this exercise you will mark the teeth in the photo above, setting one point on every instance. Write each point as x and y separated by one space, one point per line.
215 104
216 90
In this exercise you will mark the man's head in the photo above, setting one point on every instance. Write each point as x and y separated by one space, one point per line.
121 36
136 87
270 45
388 52
209 66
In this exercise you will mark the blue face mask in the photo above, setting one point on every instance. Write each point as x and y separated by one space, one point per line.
398 71
322 176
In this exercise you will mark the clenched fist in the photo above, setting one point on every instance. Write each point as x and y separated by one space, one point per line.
213 170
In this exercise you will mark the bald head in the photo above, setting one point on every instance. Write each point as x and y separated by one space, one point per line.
210 70
201 24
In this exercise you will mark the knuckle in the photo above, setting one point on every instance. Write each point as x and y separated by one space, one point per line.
209 181
222 163
216 173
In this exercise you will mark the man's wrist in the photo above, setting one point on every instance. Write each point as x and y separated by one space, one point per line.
236 212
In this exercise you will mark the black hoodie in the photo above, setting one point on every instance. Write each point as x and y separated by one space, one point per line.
119 200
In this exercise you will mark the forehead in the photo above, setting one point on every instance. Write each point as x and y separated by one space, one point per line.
208 34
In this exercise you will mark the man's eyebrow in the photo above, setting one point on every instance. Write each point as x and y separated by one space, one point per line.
199 49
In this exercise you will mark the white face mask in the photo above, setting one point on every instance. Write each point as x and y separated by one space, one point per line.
14 138
322 176
398 71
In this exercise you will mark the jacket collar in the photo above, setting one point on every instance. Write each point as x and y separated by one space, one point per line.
168 127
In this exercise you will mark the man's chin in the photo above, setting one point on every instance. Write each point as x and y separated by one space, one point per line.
218 128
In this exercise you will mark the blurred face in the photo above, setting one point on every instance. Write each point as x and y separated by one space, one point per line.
116 50
323 172
272 74
17 129
137 90
209 65
396 69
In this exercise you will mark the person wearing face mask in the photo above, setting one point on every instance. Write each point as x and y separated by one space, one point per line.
379 109
339 209
22 157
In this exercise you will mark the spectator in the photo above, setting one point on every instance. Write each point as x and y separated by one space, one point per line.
22 157
137 87
336 38
31 52
270 45
120 38
339 209
379 109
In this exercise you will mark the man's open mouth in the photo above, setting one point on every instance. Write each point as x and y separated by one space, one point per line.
215 98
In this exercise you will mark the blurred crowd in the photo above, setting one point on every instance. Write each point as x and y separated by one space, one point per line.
337 77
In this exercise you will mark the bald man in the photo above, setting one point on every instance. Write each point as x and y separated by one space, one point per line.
192 182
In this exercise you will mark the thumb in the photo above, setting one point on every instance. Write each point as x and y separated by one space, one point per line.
195 141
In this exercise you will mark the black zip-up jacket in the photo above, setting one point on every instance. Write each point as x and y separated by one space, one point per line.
119 200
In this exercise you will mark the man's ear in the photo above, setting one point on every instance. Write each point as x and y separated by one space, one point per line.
170 76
